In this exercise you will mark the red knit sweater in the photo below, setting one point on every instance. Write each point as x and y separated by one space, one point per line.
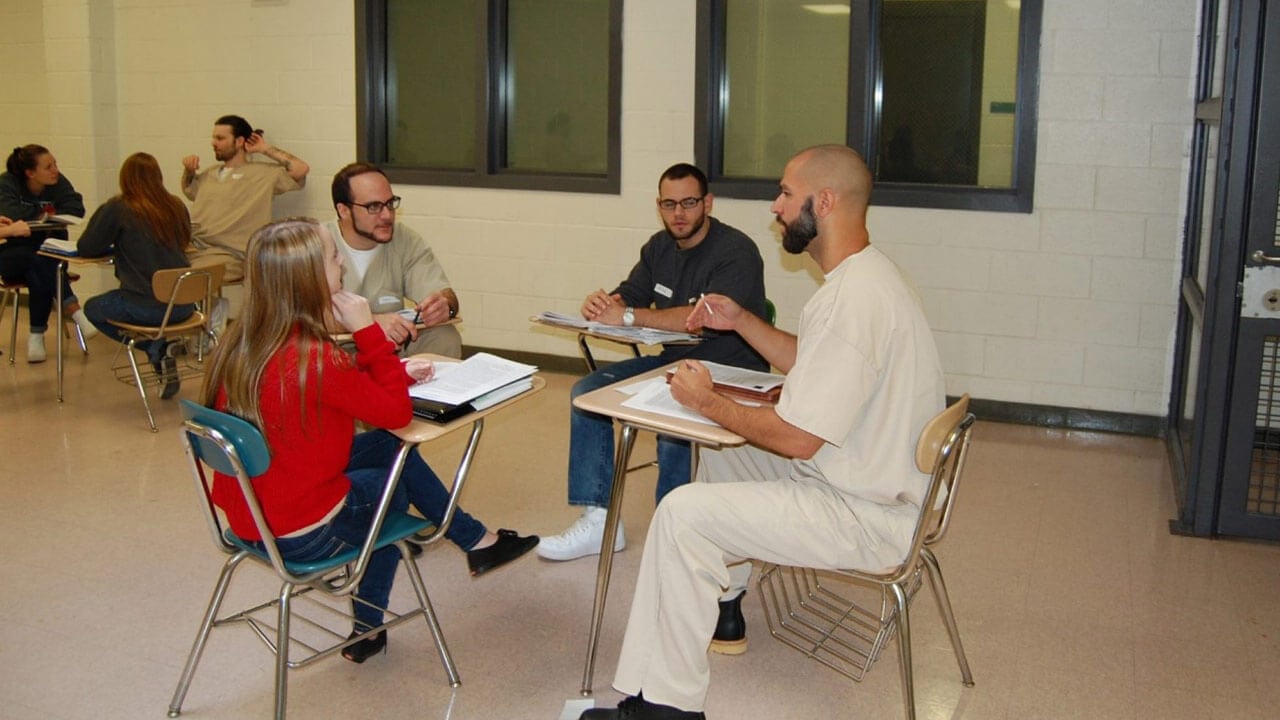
305 479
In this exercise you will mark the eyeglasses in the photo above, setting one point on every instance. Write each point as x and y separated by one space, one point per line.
688 203
377 206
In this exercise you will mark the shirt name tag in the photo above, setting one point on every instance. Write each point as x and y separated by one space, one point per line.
663 290
389 300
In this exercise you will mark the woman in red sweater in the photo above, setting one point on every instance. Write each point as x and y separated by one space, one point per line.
278 368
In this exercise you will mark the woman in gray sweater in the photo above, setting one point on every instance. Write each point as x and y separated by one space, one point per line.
149 229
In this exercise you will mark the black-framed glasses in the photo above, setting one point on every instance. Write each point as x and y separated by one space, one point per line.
688 203
377 206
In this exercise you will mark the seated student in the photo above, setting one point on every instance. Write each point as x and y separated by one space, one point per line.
150 230
387 263
279 369
31 188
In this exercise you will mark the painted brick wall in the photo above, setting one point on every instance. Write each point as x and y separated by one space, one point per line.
1070 305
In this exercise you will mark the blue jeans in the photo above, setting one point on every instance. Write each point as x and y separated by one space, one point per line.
126 307
371 456
591 442
20 263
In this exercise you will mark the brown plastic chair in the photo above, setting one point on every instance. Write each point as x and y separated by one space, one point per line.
176 286
815 611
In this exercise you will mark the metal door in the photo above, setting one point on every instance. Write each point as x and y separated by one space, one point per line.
1249 501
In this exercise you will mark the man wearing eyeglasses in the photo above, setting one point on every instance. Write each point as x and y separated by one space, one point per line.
387 263
233 198
693 255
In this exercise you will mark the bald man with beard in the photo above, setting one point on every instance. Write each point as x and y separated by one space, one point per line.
827 479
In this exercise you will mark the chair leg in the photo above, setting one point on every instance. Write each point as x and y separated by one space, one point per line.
282 650
202 636
429 614
904 650
137 380
13 329
948 617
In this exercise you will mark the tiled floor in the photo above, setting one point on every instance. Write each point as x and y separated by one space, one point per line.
1072 598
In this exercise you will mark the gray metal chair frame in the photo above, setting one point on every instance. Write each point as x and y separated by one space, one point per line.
335 581
9 294
815 612
175 286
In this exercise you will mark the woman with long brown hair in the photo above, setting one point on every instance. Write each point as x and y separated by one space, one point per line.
150 230
280 369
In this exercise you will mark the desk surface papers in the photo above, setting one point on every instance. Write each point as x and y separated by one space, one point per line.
641 335
457 383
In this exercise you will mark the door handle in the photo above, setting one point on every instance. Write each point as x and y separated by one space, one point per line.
1260 257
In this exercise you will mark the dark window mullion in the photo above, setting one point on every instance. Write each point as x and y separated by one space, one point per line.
493 124
865 78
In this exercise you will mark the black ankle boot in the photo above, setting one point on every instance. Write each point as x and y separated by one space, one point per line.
730 637
360 651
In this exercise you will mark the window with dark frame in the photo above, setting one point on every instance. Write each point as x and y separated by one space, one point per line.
521 94
938 95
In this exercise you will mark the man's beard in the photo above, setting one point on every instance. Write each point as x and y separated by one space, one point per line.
368 234
693 229
797 234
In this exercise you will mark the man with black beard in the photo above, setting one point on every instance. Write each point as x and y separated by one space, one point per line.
693 255
827 479
388 263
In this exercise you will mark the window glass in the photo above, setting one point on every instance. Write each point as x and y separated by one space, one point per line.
779 100
558 86
432 81
949 88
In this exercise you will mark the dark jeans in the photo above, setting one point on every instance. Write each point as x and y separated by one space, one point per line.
371 456
126 307
20 263
591 442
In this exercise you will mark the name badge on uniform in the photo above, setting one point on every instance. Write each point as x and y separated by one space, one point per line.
662 290
390 300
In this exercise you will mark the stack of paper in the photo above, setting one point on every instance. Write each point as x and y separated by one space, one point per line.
641 335
469 380
60 247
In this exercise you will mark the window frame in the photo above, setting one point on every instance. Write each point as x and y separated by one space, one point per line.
862 118
489 170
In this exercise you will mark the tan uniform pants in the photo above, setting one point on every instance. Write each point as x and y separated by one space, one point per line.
745 507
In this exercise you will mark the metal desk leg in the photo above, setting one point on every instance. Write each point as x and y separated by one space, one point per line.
621 457
57 329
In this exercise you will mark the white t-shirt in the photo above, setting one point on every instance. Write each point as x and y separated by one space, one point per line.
866 380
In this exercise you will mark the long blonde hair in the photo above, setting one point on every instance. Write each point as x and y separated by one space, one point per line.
286 291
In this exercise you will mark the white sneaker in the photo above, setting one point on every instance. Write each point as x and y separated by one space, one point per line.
218 316
582 538
87 330
36 353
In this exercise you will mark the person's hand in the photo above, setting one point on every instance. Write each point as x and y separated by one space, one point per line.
351 310
191 163
256 143
597 303
433 310
714 311
14 228
691 384
420 369
397 329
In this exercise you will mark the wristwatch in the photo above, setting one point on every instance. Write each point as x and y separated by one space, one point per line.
629 317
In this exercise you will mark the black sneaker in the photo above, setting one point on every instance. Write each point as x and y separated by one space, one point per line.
730 637
169 370
508 547
637 708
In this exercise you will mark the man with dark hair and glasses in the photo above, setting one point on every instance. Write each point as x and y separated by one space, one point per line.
387 263
233 198
694 254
